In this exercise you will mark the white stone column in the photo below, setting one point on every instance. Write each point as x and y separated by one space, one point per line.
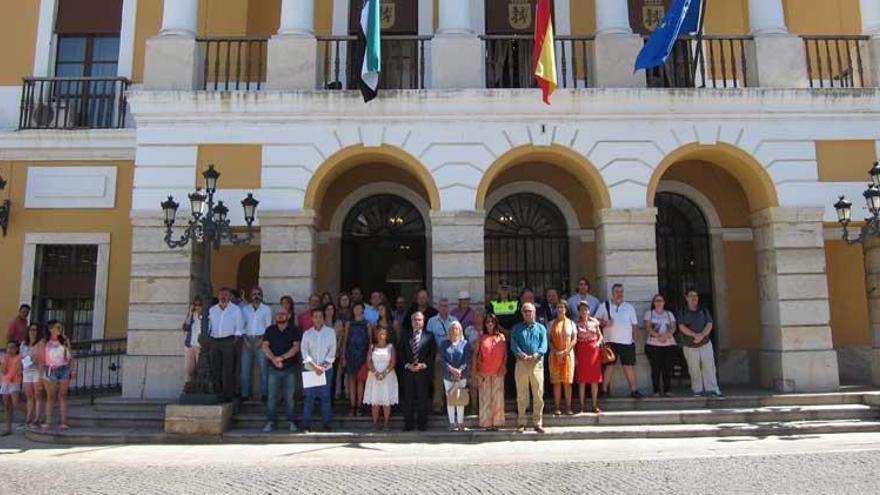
287 254
767 17
457 254
797 352
615 48
626 253
172 58
870 10
163 281
872 284
775 58
612 17
456 50
293 52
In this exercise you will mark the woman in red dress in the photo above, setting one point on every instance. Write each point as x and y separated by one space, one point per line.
588 355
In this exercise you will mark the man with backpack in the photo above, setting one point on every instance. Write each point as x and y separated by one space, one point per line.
695 327
620 325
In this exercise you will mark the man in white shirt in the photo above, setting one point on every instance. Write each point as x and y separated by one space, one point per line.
318 353
582 294
225 325
438 326
620 325
257 318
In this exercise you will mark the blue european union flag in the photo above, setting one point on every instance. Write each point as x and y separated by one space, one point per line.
684 16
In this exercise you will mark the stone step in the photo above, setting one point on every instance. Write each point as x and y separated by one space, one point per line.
678 402
90 417
625 418
118 404
118 436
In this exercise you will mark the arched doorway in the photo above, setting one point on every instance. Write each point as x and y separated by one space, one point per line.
526 243
383 246
684 252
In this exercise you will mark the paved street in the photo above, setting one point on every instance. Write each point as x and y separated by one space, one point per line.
840 464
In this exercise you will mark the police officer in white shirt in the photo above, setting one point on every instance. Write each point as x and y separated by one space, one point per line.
225 325
620 324
257 318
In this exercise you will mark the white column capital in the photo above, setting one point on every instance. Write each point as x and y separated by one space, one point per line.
870 10
612 17
455 17
767 17
180 18
297 17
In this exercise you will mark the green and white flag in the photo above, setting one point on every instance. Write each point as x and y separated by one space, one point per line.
371 39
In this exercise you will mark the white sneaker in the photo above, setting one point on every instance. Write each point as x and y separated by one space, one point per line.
268 428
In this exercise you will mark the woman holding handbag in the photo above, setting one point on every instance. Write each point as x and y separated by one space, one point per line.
456 362
562 341
588 353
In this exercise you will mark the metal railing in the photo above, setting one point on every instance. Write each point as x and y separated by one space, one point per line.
73 103
99 366
835 61
509 60
403 61
233 62
707 61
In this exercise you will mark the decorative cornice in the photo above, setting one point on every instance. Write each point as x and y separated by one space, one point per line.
65 145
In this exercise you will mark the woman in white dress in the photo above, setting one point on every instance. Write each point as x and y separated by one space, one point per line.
381 387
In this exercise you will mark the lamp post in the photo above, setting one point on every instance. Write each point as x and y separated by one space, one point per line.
872 202
207 227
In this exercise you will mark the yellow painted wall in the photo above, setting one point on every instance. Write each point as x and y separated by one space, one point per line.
23 220
239 165
557 178
583 16
718 185
585 264
149 22
847 294
845 160
727 17
823 16
18 33
742 295
225 265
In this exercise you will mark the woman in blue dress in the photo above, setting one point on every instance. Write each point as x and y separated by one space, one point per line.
356 342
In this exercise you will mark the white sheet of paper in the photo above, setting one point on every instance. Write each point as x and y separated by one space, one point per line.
312 379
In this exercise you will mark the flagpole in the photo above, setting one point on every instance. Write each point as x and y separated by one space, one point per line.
699 56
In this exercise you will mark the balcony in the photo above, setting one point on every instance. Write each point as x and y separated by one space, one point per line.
403 61
836 61
509 61
233 62
73 103
709 61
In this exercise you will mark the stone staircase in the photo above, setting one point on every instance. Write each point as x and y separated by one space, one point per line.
748 413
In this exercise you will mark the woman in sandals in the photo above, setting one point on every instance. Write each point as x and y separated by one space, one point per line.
57 371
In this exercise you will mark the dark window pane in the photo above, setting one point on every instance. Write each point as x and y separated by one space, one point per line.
105 49
64 287
69 70
71 49
103 70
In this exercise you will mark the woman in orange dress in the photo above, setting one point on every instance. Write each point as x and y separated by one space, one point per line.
562 339
588 351
490 365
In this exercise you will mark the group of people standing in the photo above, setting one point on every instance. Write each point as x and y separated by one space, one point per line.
38 362
418 356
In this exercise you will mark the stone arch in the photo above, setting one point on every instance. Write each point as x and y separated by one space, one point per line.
756 183
373 189
349 158
554 196
559 156
690 192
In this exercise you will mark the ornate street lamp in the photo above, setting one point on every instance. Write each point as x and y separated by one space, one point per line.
208 226
872 203
5 208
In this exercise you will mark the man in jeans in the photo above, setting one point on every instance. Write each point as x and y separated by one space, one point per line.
318 354
620 324
528 342
257 317
695 325
280 345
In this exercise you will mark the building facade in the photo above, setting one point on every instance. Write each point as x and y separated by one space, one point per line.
717 171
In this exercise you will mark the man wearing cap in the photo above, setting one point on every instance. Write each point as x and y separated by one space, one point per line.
504 306
464 313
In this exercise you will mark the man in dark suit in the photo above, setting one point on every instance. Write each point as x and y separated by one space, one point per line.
416 350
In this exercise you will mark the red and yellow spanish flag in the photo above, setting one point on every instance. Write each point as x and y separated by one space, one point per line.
545 56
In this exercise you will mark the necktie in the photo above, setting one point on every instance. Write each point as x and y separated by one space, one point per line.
415 343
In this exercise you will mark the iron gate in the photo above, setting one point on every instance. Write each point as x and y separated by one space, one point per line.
526 242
